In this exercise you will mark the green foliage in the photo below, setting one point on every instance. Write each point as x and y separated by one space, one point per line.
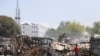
90 30
8 26
71 28
51 33
61 37
75 28
95 29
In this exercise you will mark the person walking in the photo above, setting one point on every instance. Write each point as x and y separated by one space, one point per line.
76 50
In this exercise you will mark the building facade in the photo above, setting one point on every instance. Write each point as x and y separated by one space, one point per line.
33 30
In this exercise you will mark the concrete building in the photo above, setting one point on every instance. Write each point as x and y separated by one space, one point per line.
33 30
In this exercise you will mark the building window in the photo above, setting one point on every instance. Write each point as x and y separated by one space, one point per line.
36 31
32 26
23 31
35 26
23 27
32 31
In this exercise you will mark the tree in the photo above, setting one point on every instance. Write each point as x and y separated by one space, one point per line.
8 26
89 30
51 33
71 28
62 27
75 28
95 29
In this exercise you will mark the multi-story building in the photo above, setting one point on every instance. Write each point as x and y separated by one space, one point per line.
33 30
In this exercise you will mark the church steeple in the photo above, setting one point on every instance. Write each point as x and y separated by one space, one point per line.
17 18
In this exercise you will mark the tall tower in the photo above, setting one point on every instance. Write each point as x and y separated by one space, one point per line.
17 18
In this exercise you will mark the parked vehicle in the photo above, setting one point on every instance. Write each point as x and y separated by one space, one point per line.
95 46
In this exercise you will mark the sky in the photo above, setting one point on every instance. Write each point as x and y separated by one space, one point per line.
51 12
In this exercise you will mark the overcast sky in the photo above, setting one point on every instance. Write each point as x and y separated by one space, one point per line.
52 12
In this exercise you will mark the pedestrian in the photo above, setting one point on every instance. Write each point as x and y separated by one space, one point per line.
76 50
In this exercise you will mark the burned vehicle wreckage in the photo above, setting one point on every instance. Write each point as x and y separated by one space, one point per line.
32 46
